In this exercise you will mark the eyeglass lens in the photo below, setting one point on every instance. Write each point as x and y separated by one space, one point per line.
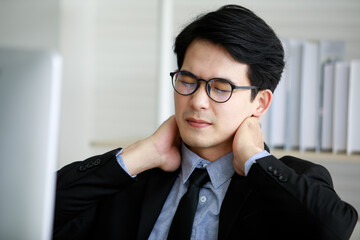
218 89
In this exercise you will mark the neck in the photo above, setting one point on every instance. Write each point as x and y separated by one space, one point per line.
211 153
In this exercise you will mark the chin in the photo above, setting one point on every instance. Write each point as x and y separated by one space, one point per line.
195 142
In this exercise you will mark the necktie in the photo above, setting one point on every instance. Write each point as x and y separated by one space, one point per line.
181 225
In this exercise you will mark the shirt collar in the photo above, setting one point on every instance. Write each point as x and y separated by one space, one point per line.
220 171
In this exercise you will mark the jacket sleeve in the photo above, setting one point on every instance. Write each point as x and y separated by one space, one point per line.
80 186
311 186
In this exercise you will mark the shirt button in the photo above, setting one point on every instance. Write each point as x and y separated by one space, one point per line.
203 199
204 165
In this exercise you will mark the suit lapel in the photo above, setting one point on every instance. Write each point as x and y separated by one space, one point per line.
235 198
158 189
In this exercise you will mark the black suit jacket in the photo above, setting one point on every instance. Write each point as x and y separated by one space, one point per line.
285 198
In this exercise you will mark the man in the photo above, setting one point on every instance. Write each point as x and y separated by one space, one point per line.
229 63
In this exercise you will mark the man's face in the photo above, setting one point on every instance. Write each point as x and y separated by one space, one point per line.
205 126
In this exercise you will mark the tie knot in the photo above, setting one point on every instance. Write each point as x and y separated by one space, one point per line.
199 177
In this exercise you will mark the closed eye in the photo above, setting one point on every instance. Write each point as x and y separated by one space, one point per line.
218 90
187 84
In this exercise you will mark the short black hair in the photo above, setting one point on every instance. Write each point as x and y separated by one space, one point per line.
245 36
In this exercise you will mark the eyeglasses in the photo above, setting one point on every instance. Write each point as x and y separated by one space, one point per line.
218 89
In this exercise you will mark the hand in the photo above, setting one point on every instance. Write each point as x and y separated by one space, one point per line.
248 141
160 150
167 142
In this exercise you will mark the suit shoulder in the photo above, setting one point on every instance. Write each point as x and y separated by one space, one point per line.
297 164
301 166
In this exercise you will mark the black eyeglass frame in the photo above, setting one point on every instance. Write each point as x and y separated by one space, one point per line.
207 86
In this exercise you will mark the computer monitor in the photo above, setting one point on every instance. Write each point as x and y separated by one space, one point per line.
29 116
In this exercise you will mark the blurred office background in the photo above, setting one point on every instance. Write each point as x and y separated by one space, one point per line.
117 53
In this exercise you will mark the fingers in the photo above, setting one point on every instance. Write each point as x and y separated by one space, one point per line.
173 127
169 130
166 141
254 128
248 141
252 120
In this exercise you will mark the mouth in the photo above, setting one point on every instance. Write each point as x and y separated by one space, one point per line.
197 123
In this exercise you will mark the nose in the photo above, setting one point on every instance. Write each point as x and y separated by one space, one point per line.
200 99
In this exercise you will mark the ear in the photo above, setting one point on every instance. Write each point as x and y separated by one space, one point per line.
262 102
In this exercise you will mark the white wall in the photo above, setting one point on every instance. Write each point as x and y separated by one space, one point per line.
77 46
29 24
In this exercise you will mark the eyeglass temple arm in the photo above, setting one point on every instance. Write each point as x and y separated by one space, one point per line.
246 87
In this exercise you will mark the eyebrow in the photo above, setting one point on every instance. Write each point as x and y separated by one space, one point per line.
229 81
226 79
